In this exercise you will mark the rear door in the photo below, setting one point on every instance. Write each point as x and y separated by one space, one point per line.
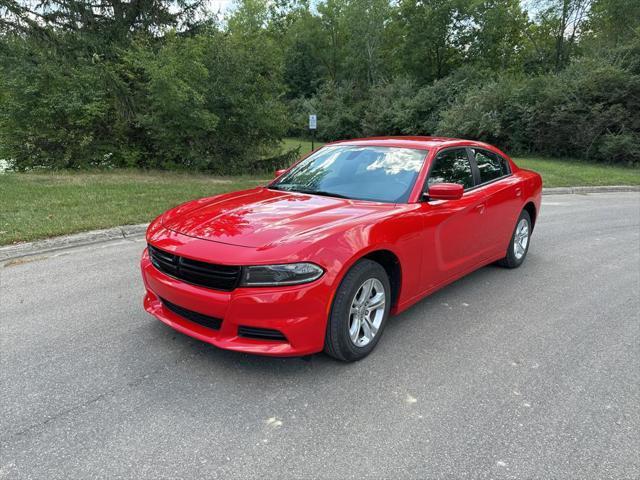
502 195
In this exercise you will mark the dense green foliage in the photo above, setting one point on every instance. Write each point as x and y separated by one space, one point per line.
166 84
194 98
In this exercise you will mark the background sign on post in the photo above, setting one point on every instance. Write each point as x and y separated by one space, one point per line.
313 124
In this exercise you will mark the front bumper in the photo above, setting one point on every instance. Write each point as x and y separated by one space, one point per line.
299 312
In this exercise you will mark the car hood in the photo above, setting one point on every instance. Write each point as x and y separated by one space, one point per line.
260 217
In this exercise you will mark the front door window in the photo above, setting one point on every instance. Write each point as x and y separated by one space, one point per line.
452 166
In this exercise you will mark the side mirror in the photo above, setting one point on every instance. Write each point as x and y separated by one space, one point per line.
445 191
279 172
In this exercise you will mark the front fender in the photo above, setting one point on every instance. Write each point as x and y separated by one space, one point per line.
401 235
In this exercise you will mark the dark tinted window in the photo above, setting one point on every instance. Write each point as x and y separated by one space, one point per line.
491 166
452 166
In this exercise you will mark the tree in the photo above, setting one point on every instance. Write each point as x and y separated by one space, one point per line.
432 36
615 22
364 46
297 30
495 36
566 20
98 21
332 42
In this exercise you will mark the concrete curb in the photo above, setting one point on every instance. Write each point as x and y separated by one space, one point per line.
10 252
579 190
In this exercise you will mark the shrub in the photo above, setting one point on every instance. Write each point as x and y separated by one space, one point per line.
195 102
53 114
339 107
619 148
587 111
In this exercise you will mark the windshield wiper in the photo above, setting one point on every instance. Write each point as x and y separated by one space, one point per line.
323 193
284 187
291 187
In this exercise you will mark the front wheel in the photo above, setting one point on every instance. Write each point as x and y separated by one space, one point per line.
359 312
519 245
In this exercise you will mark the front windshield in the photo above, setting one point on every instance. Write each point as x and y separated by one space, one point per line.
381 174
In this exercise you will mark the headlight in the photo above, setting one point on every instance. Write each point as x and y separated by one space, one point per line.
286 274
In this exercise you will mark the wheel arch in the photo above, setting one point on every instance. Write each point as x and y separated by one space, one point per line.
531 210
390 262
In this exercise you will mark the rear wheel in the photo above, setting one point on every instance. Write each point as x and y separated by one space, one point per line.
359 312
520 240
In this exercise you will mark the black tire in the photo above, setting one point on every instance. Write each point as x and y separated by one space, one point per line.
511 260
338 343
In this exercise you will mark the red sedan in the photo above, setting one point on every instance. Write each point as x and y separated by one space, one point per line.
319 258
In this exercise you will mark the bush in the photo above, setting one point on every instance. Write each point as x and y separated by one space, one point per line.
195 102
53 114
619 148
339 108
588 111
398 107
207 105
401 108
391 110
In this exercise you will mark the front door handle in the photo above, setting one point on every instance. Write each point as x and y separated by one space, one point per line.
480 208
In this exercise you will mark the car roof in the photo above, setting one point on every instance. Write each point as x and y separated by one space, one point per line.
424 143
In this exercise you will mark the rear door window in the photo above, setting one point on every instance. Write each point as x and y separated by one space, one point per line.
452 166
490 165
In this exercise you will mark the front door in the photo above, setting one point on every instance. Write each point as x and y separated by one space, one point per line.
454 229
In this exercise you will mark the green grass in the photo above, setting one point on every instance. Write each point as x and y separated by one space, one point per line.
568 173
39 205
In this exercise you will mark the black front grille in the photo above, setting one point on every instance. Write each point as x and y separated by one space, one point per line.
261 333
218 277
199 318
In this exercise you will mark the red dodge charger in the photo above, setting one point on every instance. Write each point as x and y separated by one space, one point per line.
320 257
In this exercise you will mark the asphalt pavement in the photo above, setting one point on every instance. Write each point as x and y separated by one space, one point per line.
526 373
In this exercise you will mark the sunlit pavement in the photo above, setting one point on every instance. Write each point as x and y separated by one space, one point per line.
527 373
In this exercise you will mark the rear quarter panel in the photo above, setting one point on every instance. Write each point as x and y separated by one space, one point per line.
532 188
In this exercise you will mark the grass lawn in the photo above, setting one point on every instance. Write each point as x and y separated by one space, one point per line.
40 205
567 173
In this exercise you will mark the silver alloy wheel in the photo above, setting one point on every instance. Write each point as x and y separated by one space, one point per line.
366 312
521 239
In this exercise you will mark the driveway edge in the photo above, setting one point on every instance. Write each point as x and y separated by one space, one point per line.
595 189
10 252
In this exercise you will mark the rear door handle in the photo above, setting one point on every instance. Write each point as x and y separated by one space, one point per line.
518 192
